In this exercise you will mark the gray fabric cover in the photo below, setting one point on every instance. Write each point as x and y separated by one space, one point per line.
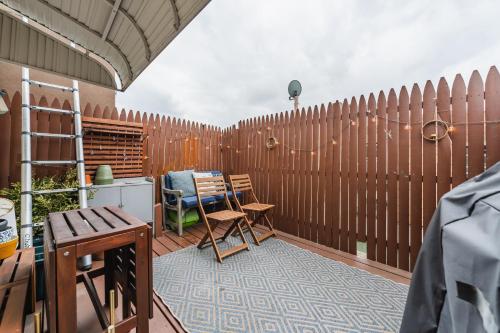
462 244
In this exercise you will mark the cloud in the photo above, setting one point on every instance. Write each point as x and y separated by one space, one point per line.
234 61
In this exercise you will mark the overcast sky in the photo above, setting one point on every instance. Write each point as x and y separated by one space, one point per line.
235 59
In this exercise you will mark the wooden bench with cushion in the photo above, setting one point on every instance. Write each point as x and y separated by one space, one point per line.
180 196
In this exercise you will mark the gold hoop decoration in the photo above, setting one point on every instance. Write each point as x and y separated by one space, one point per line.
435 137
271 142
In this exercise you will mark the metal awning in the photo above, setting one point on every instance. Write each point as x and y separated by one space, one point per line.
122 36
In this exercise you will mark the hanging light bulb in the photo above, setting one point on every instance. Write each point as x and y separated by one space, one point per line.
259 132
407 127
334 141
237 151
451 129
170 141
292 152
313 153
249 146
353 123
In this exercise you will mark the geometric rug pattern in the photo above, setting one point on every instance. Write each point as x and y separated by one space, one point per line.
275 287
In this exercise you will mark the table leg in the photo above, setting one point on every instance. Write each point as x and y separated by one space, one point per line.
109 276
141 280
66 289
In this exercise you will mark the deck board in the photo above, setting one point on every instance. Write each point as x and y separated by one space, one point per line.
164 321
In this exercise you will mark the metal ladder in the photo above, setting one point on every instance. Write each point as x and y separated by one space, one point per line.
26 178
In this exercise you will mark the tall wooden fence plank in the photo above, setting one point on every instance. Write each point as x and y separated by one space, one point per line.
344 181
371 184
429 152
362 165
352 129
336 188
475 118
459 135
443 158
416 173
492 109
404 179
381 178
392 177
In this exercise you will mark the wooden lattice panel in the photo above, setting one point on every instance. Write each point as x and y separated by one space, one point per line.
113 142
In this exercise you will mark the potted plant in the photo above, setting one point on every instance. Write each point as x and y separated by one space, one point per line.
42 206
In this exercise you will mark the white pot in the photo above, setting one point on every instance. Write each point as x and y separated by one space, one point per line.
7 212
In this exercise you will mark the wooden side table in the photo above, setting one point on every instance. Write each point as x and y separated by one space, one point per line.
17 289
126 242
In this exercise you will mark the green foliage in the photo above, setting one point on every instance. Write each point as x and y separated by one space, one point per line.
45 204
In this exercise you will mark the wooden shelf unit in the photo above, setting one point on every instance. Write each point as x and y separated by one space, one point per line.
113 142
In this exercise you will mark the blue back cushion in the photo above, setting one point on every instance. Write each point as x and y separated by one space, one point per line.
182 180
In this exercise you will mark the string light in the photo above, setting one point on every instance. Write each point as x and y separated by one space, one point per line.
450 127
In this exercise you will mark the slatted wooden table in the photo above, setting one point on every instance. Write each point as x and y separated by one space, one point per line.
17 290
126 242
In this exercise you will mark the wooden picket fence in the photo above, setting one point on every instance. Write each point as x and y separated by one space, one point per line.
169 144
360 170
349 171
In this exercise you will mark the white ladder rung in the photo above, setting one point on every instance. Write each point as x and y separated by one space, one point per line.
50 85
43 108
52 162
53 135
54 191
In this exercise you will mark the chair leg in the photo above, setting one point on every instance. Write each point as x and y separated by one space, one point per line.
270 226
204 239
252 232
242 236
212 240
179 217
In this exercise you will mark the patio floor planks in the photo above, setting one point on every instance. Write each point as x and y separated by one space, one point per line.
164 321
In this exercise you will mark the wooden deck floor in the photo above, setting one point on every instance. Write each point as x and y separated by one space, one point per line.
164 321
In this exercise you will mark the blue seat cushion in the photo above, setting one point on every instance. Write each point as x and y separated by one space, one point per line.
191 201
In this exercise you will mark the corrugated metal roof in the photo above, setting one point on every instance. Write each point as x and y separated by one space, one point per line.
127 34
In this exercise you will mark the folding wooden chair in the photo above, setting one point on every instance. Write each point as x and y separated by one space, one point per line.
215 187
242 183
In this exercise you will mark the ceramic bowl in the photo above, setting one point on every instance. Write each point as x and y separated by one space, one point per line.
6 235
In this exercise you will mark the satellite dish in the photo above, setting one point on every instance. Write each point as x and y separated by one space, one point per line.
294 89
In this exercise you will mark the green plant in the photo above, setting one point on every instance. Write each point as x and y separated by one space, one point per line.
44 204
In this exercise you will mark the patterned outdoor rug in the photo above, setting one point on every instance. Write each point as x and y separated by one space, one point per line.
275 287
